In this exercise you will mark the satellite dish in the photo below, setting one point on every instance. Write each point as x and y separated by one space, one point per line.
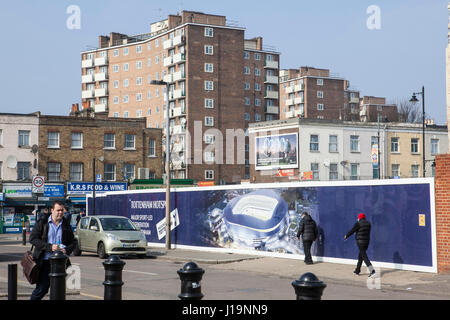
11 162
326 163
34 148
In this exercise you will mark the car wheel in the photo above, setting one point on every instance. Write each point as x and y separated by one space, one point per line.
76 250
101 251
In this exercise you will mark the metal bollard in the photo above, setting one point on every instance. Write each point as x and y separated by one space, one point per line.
190 276
113 278
308 287
24 236
58 261
12 281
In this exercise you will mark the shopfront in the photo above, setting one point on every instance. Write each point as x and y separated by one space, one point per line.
19 202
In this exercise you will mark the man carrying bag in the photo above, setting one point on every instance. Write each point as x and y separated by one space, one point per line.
51 233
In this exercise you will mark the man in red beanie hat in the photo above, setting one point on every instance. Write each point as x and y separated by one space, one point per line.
362 229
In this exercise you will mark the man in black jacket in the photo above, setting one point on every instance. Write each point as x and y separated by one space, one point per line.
308 230
51 233
362 229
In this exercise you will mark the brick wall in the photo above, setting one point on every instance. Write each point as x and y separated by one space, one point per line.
442 192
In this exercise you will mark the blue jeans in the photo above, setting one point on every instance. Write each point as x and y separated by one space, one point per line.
43 283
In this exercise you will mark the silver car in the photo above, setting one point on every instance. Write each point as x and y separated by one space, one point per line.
107 235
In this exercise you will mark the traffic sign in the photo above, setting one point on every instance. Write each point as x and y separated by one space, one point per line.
38 184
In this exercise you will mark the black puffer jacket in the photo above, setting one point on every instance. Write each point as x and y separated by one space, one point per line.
38 238
307 229
362 229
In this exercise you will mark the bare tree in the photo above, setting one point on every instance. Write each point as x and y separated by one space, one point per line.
408 111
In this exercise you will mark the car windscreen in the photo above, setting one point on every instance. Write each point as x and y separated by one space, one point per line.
116 224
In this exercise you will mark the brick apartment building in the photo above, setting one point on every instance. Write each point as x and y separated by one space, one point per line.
316 94
122 147
217 80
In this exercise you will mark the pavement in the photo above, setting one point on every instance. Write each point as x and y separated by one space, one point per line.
432 284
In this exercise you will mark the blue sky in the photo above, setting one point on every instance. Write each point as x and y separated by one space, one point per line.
41 67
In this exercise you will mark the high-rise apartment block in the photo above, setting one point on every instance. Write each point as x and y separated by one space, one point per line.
217 80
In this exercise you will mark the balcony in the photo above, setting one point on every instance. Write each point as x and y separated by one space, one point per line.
103 76
178 129
101 107
87 78
271 109
271 79
354 100
299 87
179 40
289 114
86 94
271 64
178 76
179 57
299 113
102 92
179 94
168 61
178 111
290 102
101 61
168 78
89 63
299 100
178 147
168 44
289 89
271 95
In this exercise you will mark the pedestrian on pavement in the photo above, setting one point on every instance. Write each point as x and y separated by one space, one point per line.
42 215
49 235
362 228
308 230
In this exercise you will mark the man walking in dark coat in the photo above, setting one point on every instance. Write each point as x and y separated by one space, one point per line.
308 230
362 229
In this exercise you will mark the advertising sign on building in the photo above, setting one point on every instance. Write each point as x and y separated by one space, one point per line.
86 187
276 152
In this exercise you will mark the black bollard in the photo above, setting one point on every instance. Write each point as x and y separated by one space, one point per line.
113 278
58 261
12 281
308 287
24 236
190 277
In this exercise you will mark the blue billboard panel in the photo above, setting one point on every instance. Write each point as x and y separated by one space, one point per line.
266 218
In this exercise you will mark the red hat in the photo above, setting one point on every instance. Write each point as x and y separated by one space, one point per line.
361 216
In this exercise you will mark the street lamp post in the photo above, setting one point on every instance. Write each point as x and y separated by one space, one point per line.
414 100
94 178
167 164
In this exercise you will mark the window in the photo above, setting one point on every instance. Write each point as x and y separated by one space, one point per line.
53 171
209 138
76 140
138 113
246 116
116 100
129 141
246 101
139 97
209 174
138 65
414 145
246 70
128 171
209 32
116 53
23 170
333 144
110 172
257 72
395 170
53 140
109 141
125 99
415 171
354 171
320 106
116 115
125 67
209 121
209 103
257 102
139 81
116 84
125 51
152 148
76 171
209 85
138 49
257 56
320 82
354 143
209 156
333 171
315 170
116 68
24 138
394 145
434 146
246 55
257 87
314 142
320 94
125 83
257 117
246 86
209 67
209 50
